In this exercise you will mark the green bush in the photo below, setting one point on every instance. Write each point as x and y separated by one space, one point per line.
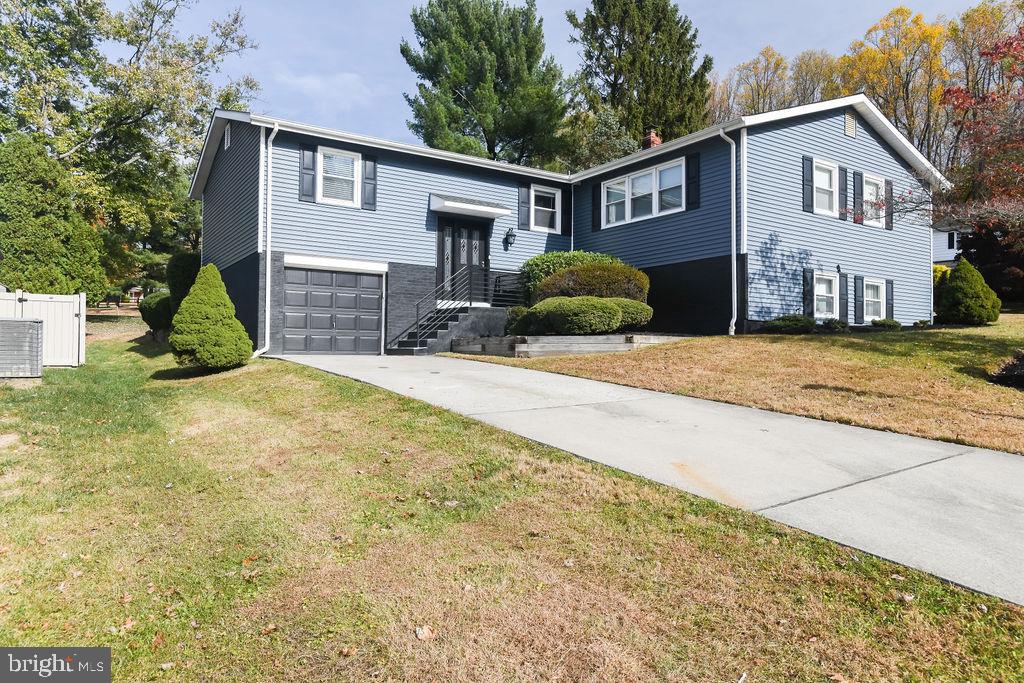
515 315
182 269
940 274
834 325
789 324
887 324
156 311
605 280
206 332
965 299
539 267
635 314
575 315
922 324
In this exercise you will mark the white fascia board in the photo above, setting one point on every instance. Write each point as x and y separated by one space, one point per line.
442 205
214 131
378 143
327 263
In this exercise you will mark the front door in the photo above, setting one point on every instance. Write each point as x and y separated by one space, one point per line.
462 244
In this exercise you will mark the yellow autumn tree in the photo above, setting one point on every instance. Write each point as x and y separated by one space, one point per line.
813 76
900 65
761 83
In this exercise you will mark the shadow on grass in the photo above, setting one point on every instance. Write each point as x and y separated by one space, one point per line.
111 318
180 373
148 347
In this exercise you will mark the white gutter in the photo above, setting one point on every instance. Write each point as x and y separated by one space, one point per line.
268 253
732 225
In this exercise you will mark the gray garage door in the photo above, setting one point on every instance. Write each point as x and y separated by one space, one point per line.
332 312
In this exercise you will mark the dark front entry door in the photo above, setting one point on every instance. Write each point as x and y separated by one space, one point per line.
463 244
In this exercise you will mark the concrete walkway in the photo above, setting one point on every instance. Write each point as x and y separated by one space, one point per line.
954 511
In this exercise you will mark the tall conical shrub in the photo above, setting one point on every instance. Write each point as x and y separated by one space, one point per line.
965 299
206 332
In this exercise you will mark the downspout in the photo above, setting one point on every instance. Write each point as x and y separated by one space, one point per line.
266 243
732 225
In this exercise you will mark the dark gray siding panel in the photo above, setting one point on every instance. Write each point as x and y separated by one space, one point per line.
782 239
242 280
684 236
231 199
694 296
407 283
402 229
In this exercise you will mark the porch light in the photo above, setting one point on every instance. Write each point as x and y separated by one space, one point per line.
510 236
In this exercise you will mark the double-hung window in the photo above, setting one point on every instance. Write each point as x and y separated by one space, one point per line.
874 304
339 177
874 200
826 295
826 188
544 211
647 193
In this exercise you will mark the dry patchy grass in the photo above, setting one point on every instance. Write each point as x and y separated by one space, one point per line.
279 524
930 383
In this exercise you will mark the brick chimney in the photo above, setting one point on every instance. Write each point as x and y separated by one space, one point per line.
652 139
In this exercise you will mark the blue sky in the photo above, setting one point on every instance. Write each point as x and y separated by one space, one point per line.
337 64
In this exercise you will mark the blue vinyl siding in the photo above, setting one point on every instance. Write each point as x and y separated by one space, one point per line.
231 199
673 238
782 239
402 229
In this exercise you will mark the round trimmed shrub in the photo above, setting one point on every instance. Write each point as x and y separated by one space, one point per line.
965 299
539 267
577 315
789 324
605 280
206 332
156 312
515 315
635 314
182 269
887 324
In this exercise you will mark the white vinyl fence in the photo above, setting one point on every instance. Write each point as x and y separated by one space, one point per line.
63 317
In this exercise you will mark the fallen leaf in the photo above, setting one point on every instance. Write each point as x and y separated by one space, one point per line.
896 577
158 640
268 629
451 503
126 598
128 624
348 651
249 560
167 666
907 597
425 633
75 573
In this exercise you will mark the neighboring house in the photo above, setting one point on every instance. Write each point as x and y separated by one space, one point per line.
360 230
945 246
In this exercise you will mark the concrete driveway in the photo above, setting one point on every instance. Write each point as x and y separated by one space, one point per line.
952 510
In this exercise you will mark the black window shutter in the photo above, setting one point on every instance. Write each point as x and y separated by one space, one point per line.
370 183
889 312
858 300
809 291
844 298
858 197
567 211
692 181
595 207
524 206
844 190
307 173
808 184
888 205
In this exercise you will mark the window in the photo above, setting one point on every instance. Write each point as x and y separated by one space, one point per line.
826 296
227 135
615 202
641 195
953 240
874 308
874 200
648 193
545 203
826 188
339 177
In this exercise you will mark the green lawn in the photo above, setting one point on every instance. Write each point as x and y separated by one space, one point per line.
274 523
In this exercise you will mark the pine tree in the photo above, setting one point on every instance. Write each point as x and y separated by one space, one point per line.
485 86
206 332
640 57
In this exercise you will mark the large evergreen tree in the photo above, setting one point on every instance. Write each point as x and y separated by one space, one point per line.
640 57
485 86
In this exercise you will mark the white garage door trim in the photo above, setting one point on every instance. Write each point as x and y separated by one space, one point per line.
327 263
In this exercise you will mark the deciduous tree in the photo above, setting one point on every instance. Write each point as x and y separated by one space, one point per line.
762 83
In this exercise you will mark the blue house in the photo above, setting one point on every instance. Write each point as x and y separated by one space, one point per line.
331 242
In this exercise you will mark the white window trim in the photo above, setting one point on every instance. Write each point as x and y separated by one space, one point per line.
558 209
357 173
655 191
227 135
880 221
834 167
835 296
881 294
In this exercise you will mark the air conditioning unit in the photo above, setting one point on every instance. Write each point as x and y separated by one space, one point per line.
21 348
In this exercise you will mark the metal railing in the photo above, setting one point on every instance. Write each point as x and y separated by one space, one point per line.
468 286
